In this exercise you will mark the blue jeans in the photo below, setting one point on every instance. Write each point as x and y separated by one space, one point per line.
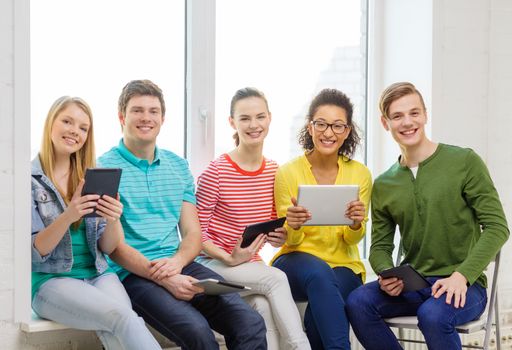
189 323
99 304
368 305
325 289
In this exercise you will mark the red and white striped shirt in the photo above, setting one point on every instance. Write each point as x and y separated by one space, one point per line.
230 198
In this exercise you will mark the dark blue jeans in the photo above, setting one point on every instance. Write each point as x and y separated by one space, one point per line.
325 289
368 305
189 323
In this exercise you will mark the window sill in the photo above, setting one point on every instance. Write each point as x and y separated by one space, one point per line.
37 324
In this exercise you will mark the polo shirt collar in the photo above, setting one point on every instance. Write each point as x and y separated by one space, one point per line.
138 162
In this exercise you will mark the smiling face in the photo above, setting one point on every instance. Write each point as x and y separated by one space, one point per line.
251 120
141 120
70 130
406 121
327 142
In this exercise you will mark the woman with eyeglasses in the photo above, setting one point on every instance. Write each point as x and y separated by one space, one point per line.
322 262
236 190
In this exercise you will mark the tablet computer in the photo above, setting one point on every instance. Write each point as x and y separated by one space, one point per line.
214 287
101 181
253 231
413 280
327 203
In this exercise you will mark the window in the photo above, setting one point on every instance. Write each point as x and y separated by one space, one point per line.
289 50
92 48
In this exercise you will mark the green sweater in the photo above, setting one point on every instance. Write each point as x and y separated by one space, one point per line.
450 216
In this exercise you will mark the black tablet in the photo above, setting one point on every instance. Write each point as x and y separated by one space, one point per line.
214 287
101 181
413 280
253 231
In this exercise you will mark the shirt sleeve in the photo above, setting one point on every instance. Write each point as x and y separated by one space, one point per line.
189 191
37 225
383 233
283 192
207 197
350 236
481 195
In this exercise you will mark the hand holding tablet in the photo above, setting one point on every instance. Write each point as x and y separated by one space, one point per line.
411 278
253 231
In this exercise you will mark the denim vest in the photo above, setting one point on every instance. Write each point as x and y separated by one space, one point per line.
47 205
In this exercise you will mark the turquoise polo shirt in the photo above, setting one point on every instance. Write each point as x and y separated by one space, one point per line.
152 195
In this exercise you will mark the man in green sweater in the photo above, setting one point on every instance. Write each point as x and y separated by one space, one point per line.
451 226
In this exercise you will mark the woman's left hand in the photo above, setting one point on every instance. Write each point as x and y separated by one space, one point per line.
356 212
109 208
278 237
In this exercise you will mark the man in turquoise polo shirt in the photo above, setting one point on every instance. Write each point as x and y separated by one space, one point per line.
156 268
451 226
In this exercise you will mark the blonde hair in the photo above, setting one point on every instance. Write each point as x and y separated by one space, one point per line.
82 159
395 91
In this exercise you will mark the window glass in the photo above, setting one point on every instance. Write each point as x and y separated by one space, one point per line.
92 48
290 50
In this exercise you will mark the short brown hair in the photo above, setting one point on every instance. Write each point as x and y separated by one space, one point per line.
395 91
139 88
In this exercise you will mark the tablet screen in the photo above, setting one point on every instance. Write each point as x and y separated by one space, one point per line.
101 181
327 203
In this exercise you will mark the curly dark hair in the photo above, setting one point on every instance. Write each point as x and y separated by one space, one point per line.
335 98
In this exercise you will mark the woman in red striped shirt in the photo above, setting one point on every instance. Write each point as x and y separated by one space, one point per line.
236 190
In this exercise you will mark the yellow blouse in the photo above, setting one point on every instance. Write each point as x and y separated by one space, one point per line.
336 245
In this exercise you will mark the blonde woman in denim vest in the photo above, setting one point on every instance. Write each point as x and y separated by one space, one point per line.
71 281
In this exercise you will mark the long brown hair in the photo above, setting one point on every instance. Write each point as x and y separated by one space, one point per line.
241 94
79 161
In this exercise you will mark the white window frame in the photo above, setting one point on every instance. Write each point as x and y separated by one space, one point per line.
200 84
200 87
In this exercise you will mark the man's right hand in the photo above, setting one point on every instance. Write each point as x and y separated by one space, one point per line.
181 287
392 286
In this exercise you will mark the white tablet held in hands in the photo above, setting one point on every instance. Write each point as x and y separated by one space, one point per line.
214 287
327 203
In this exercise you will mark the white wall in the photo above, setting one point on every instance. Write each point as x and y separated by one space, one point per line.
15 192
400 50
7 257
471 91
458 54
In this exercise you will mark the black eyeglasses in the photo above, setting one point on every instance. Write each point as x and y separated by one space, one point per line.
336 128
